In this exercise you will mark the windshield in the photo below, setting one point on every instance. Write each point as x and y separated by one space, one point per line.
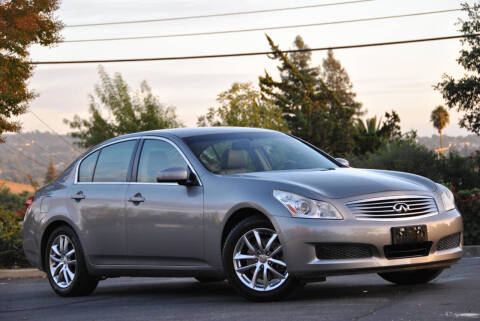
255 152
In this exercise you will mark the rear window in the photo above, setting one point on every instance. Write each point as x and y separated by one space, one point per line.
85 171
113 162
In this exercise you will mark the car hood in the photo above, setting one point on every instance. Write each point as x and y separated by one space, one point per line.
347 182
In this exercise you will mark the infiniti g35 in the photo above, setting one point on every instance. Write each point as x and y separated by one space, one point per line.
261 208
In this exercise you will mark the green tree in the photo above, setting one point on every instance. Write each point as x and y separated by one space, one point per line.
243 106
22 23
440 118
51 174
313 112
337 80
116 111
464 93
374 133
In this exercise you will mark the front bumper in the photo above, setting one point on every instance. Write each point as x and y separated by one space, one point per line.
301 236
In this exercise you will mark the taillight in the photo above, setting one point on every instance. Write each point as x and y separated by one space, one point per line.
29 202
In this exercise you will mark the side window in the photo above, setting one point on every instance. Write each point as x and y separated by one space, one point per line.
113 162
85 171
157 155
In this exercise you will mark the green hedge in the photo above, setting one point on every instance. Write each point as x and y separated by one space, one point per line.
11 243
468 203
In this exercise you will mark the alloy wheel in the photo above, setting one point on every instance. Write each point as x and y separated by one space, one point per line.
258 262
62 261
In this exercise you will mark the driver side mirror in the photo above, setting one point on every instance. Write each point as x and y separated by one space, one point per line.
343 161
180 175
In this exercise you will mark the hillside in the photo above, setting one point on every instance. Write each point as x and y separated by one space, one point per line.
29 154
16 188
465 145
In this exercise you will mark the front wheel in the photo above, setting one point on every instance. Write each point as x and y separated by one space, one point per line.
65 265
411 277
254 264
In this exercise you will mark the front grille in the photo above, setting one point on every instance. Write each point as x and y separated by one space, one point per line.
393 207
401 251
449 242
343 251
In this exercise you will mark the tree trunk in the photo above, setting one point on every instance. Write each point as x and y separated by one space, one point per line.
441 144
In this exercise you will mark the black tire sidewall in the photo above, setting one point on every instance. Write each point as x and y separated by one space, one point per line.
227 255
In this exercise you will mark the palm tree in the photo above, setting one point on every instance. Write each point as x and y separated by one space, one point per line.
440 118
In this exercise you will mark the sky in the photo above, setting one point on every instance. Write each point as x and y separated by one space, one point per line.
392 77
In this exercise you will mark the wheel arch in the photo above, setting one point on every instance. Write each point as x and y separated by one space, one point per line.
239 215
46 234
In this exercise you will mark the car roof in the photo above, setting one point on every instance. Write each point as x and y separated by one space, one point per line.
188 132
184 133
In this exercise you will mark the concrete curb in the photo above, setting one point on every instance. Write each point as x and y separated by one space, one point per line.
21 274
468 251
471 250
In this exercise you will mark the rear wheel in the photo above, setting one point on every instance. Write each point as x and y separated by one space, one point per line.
65 264
411 277
253 262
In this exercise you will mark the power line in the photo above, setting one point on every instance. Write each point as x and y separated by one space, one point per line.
215 14
176 35
59 136
40 147
257 53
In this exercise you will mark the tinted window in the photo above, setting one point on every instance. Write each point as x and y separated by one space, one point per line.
113 162
255 152
85 171
156 156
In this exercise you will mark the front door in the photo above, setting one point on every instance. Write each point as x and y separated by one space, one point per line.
164 220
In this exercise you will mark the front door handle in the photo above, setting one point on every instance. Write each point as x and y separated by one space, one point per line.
137 198
79 196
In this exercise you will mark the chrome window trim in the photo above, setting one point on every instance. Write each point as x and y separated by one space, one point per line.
77 166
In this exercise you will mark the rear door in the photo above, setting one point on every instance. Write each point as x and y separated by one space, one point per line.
98 197
164 220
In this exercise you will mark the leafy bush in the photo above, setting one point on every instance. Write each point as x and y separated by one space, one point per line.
12 211
407 156
11 242
404 156
468 203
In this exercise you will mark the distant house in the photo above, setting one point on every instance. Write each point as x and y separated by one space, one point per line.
16 188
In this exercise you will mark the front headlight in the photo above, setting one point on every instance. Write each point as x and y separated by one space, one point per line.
448 199
303 207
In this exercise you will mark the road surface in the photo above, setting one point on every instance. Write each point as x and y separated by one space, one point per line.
455 295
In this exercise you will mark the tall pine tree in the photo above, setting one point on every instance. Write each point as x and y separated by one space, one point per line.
313 111
51 174
337 80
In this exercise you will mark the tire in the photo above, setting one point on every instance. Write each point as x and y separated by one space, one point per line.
65 264
241 273
411 277
202 279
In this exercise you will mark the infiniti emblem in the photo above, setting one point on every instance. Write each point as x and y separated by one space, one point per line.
401 208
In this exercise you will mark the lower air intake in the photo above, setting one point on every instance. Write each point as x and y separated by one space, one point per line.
343 251
401 251
449 242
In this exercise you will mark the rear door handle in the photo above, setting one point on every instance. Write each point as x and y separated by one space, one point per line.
137 198
79 196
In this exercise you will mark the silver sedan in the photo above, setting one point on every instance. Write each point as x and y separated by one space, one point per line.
261 208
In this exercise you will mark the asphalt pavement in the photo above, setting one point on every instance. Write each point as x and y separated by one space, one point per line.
455 295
